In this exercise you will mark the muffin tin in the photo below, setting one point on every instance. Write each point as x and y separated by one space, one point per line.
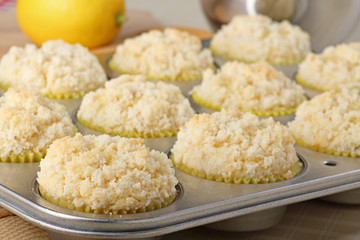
219 205
199 201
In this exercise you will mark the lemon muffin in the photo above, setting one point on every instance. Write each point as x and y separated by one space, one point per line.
130 106
29 123
330 123
57 69
253 38
331 69
237 147
104 174
170 54
258 88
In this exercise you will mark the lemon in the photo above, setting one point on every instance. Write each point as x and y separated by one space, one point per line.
91 23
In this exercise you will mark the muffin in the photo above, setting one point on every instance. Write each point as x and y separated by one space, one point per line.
56 70
335 67
236 147
330 123
29 123
254 38
169 55
103 174
258 88
130 106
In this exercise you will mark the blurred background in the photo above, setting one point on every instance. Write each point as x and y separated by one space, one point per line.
327 21
185 13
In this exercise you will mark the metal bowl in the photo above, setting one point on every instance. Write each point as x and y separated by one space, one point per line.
313 16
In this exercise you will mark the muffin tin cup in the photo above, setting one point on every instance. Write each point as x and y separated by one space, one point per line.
71 104
185 86
351 197
251 222
288 69
310 93
284 119
159 144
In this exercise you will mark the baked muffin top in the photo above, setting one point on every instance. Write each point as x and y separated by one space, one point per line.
168 54
235 145
330 122
335 67
57 69
30 122
253 38
106 173
256 87
129 103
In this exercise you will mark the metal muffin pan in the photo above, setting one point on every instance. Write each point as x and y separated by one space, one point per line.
199 201
224 206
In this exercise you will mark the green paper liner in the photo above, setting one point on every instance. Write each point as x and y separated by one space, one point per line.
324 150
162 134
207 104
55 95
114 68
295 170
65 95
284 62
301 81
24 158
66 204
4 86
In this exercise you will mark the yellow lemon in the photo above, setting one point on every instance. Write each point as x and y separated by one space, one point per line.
91 23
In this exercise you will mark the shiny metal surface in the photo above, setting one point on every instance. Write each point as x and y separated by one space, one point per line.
310 93
251 222
70 104
328 22
347 197
199 201
221 11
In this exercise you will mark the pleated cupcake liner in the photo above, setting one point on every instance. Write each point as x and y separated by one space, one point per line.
295 170
284 62
29 156
302 143
207 104
160 134
65 95
55 95
302 82
114 68
66 204
24 158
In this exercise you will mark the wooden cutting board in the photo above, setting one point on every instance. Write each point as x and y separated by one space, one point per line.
137 21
